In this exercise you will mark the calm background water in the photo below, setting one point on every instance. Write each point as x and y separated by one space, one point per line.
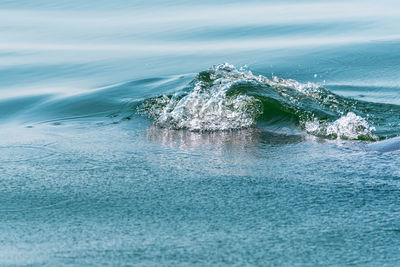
86 180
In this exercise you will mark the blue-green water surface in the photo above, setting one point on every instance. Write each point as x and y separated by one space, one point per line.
125 138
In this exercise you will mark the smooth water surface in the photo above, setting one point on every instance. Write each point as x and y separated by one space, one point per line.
126 139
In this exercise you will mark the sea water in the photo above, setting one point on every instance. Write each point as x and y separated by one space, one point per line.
199 133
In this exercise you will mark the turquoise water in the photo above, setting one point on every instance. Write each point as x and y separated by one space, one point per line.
199 133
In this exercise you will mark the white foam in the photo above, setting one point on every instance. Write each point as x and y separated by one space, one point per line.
210 107
350 126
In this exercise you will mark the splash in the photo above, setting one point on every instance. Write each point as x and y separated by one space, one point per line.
350 126
208 107
225 98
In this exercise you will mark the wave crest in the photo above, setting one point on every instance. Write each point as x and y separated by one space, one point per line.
209 106
226 98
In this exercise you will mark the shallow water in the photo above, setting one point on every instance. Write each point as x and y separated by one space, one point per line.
125 139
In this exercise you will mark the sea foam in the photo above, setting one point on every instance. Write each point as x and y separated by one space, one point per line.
213 102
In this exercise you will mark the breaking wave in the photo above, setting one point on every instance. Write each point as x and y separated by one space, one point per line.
226 98
349 126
